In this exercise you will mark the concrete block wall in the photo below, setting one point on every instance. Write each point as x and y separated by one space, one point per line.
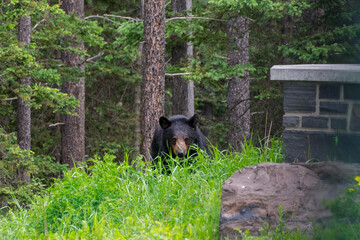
322 111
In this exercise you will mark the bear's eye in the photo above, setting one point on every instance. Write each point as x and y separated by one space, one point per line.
173 141
188 141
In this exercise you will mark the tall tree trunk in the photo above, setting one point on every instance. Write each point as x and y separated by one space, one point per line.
73 128
154 71
238 102
24 112
182 91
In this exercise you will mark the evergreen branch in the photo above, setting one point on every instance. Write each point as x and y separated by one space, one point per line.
3 153
3 74
97 16
139 20
48 60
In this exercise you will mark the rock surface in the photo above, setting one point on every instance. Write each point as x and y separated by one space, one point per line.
253 195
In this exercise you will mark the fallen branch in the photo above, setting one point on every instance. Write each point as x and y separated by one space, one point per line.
108 19
177 74
9 99
188 18
139 20
128 18
37 24
100 54
254 113
55 124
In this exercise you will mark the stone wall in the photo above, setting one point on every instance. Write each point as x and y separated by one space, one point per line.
322 111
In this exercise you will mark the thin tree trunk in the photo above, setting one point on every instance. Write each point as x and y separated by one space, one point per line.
73 129
24 112
154 71
137 129
238 109
190 84
137 97
182 91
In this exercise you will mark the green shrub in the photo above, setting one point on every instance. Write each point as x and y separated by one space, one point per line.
12 158
107 200
345 224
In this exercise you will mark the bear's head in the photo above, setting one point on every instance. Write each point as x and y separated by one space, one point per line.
179 133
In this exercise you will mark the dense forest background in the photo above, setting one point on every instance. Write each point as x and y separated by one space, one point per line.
108 36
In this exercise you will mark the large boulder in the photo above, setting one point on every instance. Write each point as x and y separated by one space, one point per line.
252 195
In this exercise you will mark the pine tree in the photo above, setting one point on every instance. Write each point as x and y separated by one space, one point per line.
73 128
24 111
154 71
238 101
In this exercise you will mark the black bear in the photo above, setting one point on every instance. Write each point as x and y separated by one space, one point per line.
174 137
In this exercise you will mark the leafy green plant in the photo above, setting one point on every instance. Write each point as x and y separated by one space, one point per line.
346 216
41 169
280 232
107 200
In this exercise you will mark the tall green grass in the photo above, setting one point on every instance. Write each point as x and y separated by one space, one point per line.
107 200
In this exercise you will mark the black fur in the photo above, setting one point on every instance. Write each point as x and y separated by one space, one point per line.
176 126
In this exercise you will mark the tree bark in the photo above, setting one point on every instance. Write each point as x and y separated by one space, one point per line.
238 109
73 129
24 111
154 71
182 91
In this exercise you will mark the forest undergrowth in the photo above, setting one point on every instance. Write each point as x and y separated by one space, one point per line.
105 199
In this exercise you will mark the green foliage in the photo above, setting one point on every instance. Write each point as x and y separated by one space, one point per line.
346 216
345 223
268 9
329 34
279 232
38 95
280 32
37 60
40 168
270 150
53 31
105 200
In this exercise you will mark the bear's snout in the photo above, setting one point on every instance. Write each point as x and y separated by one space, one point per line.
181 153
179 147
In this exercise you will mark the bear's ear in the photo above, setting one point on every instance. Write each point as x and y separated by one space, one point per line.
164 122
194 121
